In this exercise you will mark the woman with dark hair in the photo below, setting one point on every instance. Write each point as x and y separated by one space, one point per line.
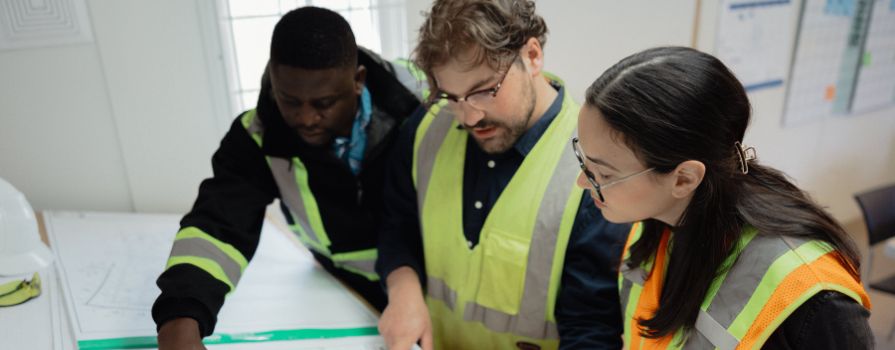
725 253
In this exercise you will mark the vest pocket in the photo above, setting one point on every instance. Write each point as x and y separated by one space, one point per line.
503 271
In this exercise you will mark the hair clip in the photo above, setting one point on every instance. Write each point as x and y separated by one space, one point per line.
745 153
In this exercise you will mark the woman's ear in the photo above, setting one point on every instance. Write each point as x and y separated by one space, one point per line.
687 177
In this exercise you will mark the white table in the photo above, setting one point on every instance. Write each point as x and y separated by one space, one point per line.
106 265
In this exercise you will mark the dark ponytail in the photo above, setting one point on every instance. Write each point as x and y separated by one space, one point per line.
673 104
775 205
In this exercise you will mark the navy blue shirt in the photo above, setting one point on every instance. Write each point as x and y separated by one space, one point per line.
588 313
486 175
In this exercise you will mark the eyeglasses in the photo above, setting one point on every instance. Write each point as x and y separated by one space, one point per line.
590 176
479 98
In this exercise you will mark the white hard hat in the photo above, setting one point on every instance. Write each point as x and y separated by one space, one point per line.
21 250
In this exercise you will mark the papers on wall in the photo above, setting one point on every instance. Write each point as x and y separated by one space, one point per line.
108 264
752 40
876 80
823 37
841 61
844 60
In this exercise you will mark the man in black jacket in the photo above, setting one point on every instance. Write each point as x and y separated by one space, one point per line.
327 114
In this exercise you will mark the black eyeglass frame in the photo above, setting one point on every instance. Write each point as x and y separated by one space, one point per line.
590 175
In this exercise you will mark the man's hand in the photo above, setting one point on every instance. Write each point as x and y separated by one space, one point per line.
180 333
406 318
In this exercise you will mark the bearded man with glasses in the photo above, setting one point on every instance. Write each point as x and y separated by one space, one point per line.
486 241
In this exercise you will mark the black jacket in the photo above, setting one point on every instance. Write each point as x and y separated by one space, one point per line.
829 320
231 205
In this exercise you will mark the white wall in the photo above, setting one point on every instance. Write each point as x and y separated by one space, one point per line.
127 122
588 36
130 121
58 143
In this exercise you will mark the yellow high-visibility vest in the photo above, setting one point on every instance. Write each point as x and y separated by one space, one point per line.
500 294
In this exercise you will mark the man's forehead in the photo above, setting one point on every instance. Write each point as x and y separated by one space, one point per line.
459 76
286 74
291 80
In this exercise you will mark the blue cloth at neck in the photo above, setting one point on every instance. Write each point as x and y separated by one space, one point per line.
351 150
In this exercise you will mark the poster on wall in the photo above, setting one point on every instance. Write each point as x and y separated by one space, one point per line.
875 87
828 60
749 40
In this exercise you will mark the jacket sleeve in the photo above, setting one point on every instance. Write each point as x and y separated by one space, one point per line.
400 240
219 235
829 320
588 313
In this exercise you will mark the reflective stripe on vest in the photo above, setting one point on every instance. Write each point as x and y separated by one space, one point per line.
221 260
291 177
411 77
766 279
508 283
626 284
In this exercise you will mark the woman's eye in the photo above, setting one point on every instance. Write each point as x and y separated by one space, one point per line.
603 177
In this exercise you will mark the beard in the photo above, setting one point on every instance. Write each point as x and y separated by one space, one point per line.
505 135
506 132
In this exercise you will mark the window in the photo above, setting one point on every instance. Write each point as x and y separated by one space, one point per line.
379 25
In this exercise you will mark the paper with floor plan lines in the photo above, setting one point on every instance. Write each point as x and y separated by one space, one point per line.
108 264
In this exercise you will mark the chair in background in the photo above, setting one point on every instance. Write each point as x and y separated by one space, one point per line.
878 207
